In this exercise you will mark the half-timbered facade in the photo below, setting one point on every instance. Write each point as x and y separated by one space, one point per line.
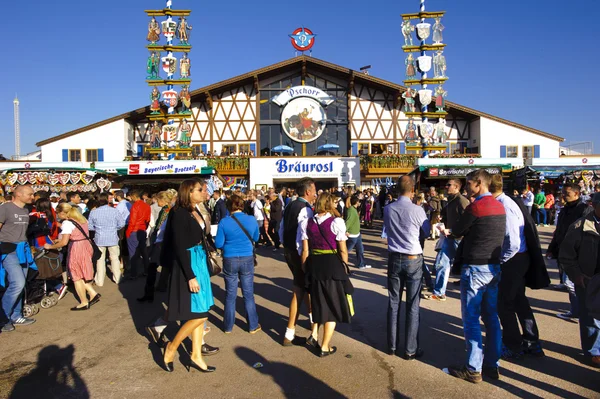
363 117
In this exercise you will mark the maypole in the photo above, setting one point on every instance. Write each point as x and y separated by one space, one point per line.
425 137
171 138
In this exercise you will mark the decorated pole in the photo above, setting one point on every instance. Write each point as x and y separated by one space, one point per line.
423 73
171 104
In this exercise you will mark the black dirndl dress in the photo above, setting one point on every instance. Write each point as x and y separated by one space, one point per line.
328 284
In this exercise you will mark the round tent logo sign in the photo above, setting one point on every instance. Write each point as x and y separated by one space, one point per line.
303 119
302 39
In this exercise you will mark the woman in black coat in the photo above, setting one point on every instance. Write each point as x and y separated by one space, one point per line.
190 292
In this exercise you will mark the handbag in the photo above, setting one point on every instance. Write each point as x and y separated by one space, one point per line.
48 263
250 238
348 287
97 254
211 260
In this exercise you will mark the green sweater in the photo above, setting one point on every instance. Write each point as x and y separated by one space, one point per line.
539 199
352 221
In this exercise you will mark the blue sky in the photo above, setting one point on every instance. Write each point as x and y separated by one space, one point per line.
74 63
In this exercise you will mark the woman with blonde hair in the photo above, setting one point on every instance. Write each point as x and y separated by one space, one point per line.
75 234
325 261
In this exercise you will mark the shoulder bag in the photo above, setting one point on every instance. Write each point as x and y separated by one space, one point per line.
250 238
348 287
211 259
97 254
48 263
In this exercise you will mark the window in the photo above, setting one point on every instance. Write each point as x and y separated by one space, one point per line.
91 155
512 151
378 148
456 148
228 149
75 155
527 151
196 150
243 148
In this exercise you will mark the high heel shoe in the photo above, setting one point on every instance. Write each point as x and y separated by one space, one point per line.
193 365
168 366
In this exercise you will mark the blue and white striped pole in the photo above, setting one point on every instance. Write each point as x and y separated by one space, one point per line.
171 109
423 74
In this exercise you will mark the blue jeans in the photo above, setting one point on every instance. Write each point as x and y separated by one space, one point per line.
589 328
12 302
242 267
540 216
573 299
402 272
443 264
479 298
356 242
138 253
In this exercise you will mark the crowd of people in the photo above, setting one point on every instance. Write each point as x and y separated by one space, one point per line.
484 235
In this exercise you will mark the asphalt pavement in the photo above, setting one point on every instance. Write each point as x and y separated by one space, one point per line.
105 352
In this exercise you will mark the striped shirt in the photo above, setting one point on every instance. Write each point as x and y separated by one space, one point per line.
106 221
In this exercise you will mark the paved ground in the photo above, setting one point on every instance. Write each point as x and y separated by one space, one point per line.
104 353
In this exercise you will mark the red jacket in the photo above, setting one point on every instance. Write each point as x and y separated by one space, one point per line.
139 217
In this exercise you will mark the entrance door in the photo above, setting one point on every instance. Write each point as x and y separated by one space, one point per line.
320 184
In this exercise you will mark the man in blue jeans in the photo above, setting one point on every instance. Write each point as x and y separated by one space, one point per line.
403 221
456 206
14 219
353 233
482 228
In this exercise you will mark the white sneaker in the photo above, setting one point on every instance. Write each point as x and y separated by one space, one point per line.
62 291
365 267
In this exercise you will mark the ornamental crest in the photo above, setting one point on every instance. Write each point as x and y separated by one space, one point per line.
424 63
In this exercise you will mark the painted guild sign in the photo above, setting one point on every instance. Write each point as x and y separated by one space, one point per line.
303 119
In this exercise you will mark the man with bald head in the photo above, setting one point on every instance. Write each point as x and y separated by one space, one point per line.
14 219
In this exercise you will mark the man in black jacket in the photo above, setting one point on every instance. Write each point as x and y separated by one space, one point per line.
275 221
220 210
573 210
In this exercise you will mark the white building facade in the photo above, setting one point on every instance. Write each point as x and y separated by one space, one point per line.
362 116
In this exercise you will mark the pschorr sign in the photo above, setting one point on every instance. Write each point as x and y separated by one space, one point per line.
459 172
166 167
303 91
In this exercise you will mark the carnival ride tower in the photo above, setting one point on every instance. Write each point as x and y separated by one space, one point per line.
169 132
17 128
429 137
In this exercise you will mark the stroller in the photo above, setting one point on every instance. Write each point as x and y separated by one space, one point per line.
36 289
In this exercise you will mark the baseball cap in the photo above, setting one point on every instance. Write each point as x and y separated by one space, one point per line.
54 195
596 198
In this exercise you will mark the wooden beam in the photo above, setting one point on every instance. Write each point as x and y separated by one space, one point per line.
209 100
303 73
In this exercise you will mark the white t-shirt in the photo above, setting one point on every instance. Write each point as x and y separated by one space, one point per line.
67 227
338 227
257 207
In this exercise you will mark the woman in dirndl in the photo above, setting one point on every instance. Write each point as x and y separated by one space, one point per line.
75 234
190 294
325 259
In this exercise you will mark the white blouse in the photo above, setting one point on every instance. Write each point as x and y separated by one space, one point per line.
338 227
